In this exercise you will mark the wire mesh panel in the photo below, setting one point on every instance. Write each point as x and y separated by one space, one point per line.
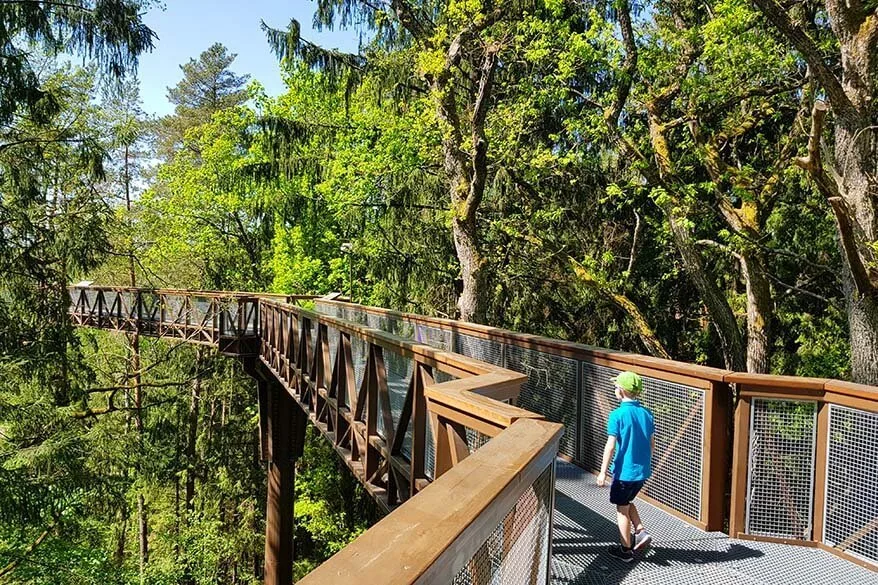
175 311
333 337
550 389
356 315
377 321
517 551
149 307
399 371
851 520
359 349
92 300
780 477
485 350
401 328
200 310
331 309
230 321
679 437
434 337
475 440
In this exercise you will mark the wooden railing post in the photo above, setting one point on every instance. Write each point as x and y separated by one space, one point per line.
740 464
423 377
715 469
821 445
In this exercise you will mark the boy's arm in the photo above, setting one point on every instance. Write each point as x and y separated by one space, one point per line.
605 463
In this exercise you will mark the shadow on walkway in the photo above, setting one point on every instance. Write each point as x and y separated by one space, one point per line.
587 535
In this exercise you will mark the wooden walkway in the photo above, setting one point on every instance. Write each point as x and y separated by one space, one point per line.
585 526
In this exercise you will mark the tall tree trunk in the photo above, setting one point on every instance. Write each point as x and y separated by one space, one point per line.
850 184
760 313
192 436
472 303
724 321
143 535
856 153
136 382
121 536
467 171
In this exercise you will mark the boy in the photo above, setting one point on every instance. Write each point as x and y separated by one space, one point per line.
631 434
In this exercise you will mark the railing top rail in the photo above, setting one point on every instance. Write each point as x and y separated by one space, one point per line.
555 346
768 384
400 345
194 292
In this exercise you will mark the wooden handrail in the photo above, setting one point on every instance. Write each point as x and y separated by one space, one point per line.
432 536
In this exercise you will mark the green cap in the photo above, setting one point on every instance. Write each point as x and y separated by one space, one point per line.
629 382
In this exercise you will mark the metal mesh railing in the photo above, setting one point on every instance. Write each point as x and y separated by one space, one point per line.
486 350
679 439
780 478
399 373
517 551
434 337
851 517
359 349
550 390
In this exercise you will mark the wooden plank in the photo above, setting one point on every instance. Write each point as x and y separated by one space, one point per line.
849 557
476 424
772 381
776 540
458 394
850 401
651 372
851 389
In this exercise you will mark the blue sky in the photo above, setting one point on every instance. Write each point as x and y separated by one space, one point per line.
188 27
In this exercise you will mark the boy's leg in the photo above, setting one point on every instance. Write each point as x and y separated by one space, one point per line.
642 538
624 521
635 518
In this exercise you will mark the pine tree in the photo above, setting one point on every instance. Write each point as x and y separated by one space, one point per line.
208 86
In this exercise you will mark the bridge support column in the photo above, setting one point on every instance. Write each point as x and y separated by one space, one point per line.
283 432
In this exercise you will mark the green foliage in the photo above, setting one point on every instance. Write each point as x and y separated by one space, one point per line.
260 193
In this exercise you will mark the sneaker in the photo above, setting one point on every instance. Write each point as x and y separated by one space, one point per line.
623 554
642 540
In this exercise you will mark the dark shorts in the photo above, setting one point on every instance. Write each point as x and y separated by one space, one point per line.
623 492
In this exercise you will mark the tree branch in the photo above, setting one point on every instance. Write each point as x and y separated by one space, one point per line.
641 325
854 246
780 18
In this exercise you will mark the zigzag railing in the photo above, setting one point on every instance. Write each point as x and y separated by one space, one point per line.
790 456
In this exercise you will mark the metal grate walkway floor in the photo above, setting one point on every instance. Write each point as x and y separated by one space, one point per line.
585 526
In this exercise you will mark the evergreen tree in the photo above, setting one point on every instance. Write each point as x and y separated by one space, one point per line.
109 32
208 86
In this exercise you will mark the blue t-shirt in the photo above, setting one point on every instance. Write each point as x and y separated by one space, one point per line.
633 426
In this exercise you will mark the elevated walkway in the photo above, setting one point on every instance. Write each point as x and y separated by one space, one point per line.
418 404
585 526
